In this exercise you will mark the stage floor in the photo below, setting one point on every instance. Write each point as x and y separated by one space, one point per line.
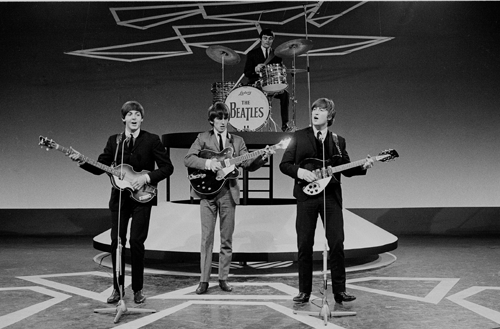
436 282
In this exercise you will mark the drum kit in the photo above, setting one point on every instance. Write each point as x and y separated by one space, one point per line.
250 106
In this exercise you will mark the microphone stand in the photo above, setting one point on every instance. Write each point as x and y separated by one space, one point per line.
121 308
325 312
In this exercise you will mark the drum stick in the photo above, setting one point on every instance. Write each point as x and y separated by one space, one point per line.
237 82
271 56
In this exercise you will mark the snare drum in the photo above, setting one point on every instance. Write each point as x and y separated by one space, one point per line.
248 108
220 90
273 78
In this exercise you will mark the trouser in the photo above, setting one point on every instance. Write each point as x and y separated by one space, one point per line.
224 205
140 215
307 217
284 98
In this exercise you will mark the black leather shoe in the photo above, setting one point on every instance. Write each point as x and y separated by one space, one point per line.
202 288
343 297
115 297
139 297
225 286
302 297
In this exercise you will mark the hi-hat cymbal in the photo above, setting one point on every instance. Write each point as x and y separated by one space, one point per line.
294 48
217 53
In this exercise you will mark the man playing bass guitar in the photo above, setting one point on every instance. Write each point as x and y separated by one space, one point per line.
141 150
317 142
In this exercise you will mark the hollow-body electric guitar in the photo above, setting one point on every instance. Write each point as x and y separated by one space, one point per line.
121 176
207 182
325 174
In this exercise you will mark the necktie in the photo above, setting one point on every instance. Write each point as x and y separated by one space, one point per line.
131 143
318 136
267 53
221 146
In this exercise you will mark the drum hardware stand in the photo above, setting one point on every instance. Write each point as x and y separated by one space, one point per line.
270 119
292 125
121 308
219 54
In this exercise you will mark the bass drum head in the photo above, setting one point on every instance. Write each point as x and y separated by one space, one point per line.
248 108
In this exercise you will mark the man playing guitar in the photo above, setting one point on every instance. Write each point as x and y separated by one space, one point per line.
141 150
222 200
317 142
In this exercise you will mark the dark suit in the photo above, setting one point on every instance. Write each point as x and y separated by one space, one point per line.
147 151
223 203
255 57
304 145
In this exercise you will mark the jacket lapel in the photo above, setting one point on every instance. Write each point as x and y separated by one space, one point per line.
312 139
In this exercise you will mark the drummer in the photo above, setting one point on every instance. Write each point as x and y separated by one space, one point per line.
254 64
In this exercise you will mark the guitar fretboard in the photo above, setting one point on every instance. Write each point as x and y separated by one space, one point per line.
244 157
94 163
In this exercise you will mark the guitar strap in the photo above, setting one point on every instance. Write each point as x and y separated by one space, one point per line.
118 141
336 140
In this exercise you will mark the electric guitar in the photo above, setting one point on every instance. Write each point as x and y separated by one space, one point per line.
207 182
121 176
326 174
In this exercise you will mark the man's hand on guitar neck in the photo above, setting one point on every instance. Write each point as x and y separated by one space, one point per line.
75 156
268 152
368 163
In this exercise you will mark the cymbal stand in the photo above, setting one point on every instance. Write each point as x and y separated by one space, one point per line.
308 71
292 125
121 308
222 86
270 122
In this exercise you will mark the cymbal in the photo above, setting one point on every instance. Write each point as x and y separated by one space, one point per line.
218 52
295 70
294 48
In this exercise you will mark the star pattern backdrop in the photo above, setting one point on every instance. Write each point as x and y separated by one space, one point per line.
419 77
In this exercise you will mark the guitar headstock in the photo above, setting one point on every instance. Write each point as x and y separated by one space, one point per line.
283 144
47 143
387 155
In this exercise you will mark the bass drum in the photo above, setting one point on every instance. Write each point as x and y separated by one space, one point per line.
248 108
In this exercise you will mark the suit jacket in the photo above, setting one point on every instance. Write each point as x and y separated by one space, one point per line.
147 151
208 141
254 57
303 146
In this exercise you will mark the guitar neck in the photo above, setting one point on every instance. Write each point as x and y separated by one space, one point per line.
346 166
248 156
94 163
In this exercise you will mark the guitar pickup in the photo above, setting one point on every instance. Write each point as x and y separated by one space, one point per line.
145 197
196 176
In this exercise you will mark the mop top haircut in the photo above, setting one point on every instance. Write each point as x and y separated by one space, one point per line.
132 106
218 110
328 105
